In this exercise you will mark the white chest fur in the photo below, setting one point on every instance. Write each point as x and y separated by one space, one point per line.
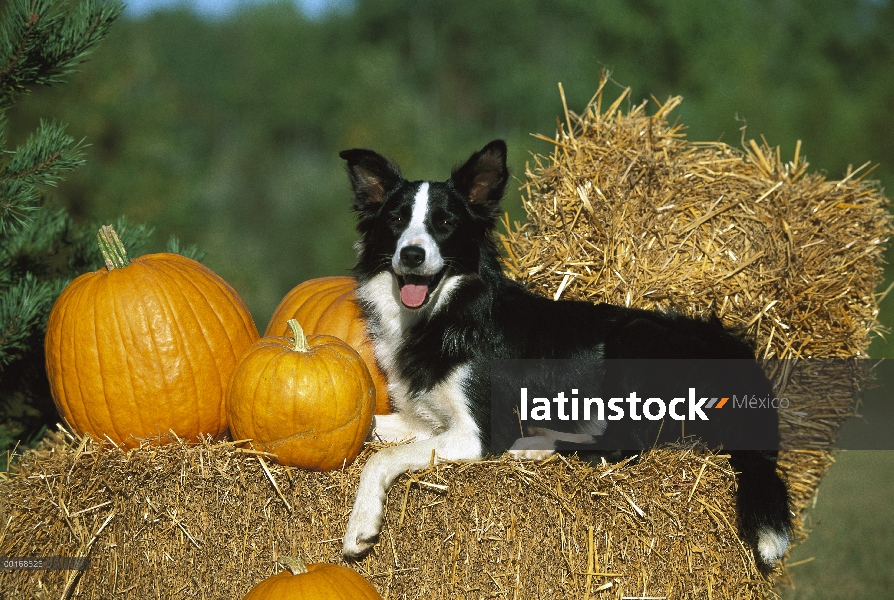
430 411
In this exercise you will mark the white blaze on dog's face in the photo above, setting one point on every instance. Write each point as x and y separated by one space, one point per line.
417 258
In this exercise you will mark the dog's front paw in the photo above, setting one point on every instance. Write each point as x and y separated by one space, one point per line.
357 545
364 524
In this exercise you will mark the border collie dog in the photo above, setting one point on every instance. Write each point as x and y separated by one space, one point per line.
440 310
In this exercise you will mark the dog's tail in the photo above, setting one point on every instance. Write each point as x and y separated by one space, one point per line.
763 504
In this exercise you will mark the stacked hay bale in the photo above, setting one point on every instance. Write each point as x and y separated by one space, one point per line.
625 210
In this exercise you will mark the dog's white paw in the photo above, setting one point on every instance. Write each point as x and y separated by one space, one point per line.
532 448
358 542
531 454
771 544
360 536
365 522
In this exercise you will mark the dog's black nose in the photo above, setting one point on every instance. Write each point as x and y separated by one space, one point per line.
412 256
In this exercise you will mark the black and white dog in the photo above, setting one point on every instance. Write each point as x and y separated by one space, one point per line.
440 310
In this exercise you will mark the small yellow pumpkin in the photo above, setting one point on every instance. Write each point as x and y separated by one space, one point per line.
318 581
307 399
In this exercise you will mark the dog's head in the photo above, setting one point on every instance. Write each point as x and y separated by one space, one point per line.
422 231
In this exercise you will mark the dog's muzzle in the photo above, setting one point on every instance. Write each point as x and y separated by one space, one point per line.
415 287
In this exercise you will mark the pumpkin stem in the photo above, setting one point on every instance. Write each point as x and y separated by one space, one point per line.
112 249
294 564
300 344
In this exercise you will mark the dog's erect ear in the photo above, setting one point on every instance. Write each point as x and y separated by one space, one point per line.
372 176
484 176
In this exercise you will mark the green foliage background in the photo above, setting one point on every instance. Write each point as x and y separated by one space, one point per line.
226 132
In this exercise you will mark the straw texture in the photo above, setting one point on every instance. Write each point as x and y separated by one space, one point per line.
210 520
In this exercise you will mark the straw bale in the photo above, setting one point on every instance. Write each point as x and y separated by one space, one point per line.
626 210
205 521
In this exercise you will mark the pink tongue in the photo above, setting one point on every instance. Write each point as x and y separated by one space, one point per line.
413 295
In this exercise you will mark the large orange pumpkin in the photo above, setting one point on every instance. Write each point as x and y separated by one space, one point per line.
145 347
328 305
309 400
319 581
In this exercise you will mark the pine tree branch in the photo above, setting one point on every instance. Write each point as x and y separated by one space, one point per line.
95 21
16 201
27 16
23 44
22 307
36 168
43 157
43 43
192 251
35 249
41 160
